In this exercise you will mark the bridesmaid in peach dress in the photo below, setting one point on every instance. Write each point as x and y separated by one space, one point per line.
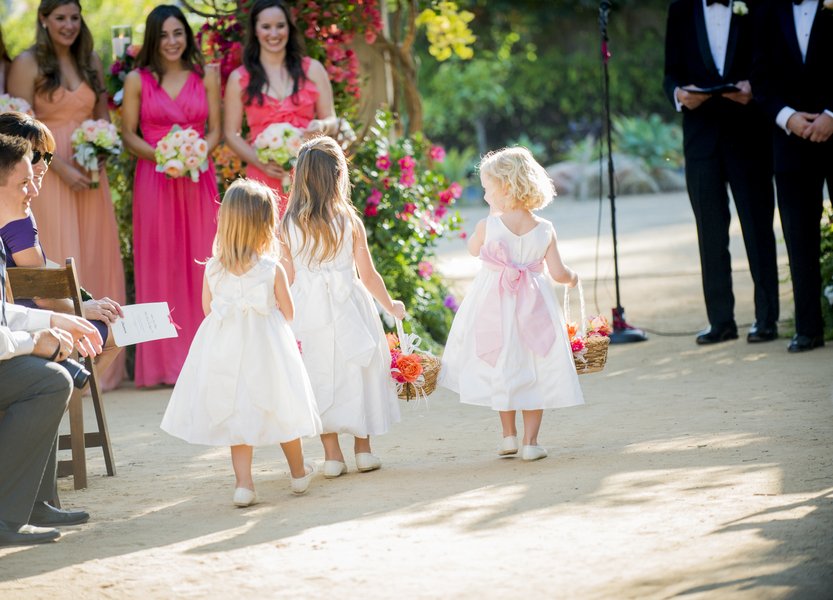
276 84
174 220
61 77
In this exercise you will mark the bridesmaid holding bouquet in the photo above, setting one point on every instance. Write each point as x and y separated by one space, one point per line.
61 77
169 96
276 84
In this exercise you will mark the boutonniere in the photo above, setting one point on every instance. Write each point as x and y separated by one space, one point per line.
828 4
740 8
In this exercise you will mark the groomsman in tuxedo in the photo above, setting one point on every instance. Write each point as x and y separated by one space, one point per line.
726 141
793 80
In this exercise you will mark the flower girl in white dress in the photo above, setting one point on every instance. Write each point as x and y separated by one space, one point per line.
244 383
344 346
508 347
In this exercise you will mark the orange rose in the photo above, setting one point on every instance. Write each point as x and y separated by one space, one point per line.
410 367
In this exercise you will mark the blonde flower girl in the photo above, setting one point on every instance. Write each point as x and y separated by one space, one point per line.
244 383
508 347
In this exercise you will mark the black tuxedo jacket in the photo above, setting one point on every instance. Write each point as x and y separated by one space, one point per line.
780 78
688 61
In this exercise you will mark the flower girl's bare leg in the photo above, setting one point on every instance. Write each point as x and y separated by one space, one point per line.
532 423
507 421
294 453
361 445
241 460
332 451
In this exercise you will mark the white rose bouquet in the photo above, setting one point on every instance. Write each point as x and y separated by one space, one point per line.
11 103
92 139
279 143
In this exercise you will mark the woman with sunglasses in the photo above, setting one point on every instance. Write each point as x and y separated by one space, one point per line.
62 79
20 237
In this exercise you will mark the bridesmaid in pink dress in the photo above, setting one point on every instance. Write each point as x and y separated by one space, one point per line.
61 77
276 84
174 220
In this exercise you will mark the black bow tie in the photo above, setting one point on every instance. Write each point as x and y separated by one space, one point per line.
723 2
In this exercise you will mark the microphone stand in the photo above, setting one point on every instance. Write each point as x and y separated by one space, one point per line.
623 333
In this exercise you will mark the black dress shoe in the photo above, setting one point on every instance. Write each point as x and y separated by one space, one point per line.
46 515
715 335
25 535
803 343
762 332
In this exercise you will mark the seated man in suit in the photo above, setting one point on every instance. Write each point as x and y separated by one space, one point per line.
34 388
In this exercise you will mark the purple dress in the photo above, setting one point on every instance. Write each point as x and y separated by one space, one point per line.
21 235
174 222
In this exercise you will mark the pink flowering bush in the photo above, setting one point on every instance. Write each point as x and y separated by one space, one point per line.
407 208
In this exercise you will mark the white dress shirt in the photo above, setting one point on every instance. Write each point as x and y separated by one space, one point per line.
16 339
718 22
804 14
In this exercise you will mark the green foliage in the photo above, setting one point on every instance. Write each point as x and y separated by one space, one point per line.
553 72
658 143
404 220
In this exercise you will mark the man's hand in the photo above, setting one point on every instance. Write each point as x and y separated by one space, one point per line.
690 101
820 129
799 122
85 337
47 341
744 96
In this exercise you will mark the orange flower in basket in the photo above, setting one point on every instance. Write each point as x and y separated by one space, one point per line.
410 367
572 329
393 341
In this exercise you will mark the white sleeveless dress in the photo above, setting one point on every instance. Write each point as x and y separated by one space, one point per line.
515 376
342 340
243 381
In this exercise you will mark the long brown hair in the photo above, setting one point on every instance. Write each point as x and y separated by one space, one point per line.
149 55
81 50
251 53
4 54
319 202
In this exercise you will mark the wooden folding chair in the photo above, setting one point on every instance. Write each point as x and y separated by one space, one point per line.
62 282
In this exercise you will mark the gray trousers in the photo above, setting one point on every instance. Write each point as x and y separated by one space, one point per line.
34 393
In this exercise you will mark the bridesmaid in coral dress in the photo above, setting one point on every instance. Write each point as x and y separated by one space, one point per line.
174 220
276 84
61 77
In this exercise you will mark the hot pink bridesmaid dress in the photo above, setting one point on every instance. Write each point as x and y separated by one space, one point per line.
174 222
297 110
79 224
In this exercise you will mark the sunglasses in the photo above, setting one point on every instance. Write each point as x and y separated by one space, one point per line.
37 155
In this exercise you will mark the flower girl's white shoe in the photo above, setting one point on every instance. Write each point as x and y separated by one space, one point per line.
509 445
244 497
301 484
533 453
365 461
334 468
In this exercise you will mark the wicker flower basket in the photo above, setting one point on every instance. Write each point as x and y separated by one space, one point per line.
425 385
594 357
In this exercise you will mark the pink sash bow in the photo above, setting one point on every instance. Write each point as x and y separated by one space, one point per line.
535 325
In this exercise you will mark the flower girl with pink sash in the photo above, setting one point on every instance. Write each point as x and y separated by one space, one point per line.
508 347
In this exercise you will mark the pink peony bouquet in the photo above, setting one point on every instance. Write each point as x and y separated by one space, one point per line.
92 140
11 103
279 143
182 152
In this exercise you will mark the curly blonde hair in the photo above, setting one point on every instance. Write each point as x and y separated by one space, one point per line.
526 182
